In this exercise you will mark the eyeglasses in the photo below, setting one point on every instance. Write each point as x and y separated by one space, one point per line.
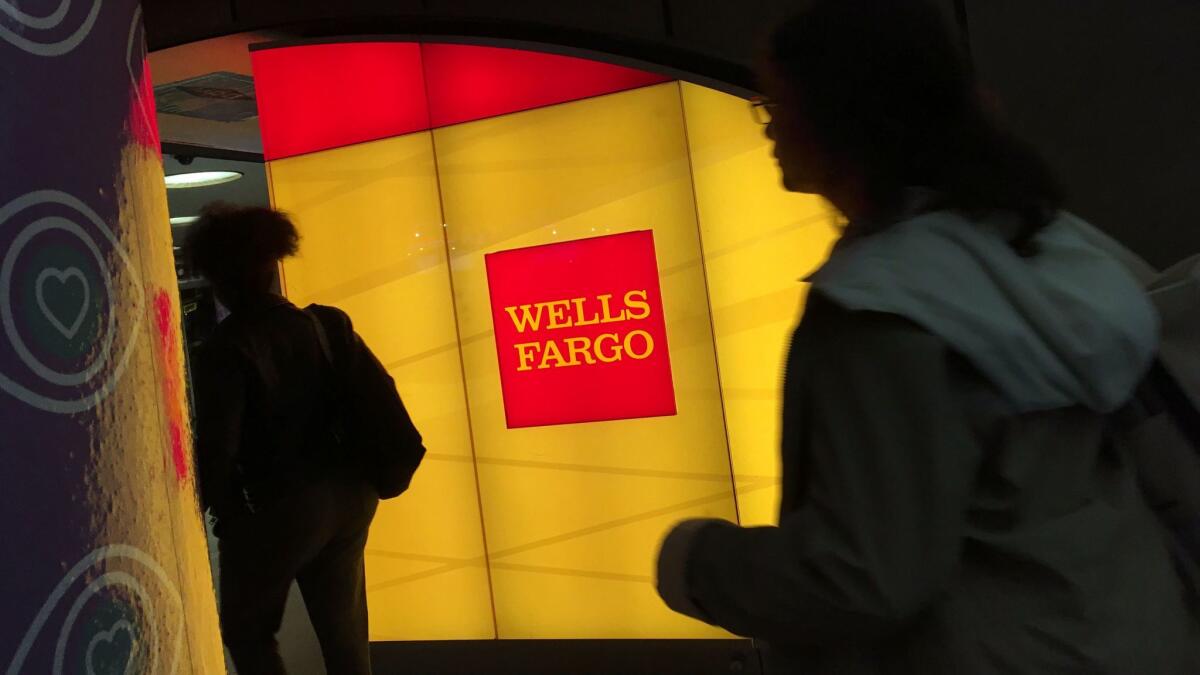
762 108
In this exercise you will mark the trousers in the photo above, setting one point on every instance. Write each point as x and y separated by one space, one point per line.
316 537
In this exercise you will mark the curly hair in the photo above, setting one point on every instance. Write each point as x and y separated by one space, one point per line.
233 244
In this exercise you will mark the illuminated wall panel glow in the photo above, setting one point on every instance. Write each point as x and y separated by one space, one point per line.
759 241
470 82
574 513
380 92
551 531
387 89
373 246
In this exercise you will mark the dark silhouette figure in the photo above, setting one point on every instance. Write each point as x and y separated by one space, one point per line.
289 501
953 499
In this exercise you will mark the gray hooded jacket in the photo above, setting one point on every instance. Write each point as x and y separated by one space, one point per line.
951 501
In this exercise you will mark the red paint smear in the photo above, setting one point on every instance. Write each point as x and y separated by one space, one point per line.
143 124
179 450
172 385
164 320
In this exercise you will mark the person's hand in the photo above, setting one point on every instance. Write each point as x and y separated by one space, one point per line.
674 558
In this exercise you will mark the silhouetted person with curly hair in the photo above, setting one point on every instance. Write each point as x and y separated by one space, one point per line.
287 505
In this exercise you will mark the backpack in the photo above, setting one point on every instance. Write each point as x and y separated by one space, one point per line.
1161 426
370 422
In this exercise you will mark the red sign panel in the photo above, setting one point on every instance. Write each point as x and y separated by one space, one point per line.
580 333
385 89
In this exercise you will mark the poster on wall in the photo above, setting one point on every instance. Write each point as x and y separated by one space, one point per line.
580 334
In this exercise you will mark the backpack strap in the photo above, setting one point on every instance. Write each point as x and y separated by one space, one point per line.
322 335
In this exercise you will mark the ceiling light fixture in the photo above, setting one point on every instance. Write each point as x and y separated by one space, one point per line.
195 179
184 220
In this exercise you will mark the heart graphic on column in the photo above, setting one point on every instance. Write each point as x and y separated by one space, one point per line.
70 326
112 651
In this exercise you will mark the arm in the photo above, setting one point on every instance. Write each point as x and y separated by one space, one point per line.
892 466
220 402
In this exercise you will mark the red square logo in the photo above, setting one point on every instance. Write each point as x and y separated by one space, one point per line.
580 334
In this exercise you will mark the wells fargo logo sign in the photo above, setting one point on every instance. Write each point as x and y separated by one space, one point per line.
580 334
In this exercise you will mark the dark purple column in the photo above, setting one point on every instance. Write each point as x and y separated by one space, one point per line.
103 564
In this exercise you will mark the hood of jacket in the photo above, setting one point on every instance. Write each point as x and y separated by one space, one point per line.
1065 326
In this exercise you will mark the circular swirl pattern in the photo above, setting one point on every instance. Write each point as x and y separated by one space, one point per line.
126 618
58 302
54 34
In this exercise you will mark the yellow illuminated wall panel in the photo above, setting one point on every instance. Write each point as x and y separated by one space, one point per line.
373 246
551 532
759 241
574 513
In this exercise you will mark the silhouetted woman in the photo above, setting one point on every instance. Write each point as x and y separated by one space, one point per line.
951 503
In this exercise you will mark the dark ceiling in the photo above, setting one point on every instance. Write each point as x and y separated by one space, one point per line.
1106 89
